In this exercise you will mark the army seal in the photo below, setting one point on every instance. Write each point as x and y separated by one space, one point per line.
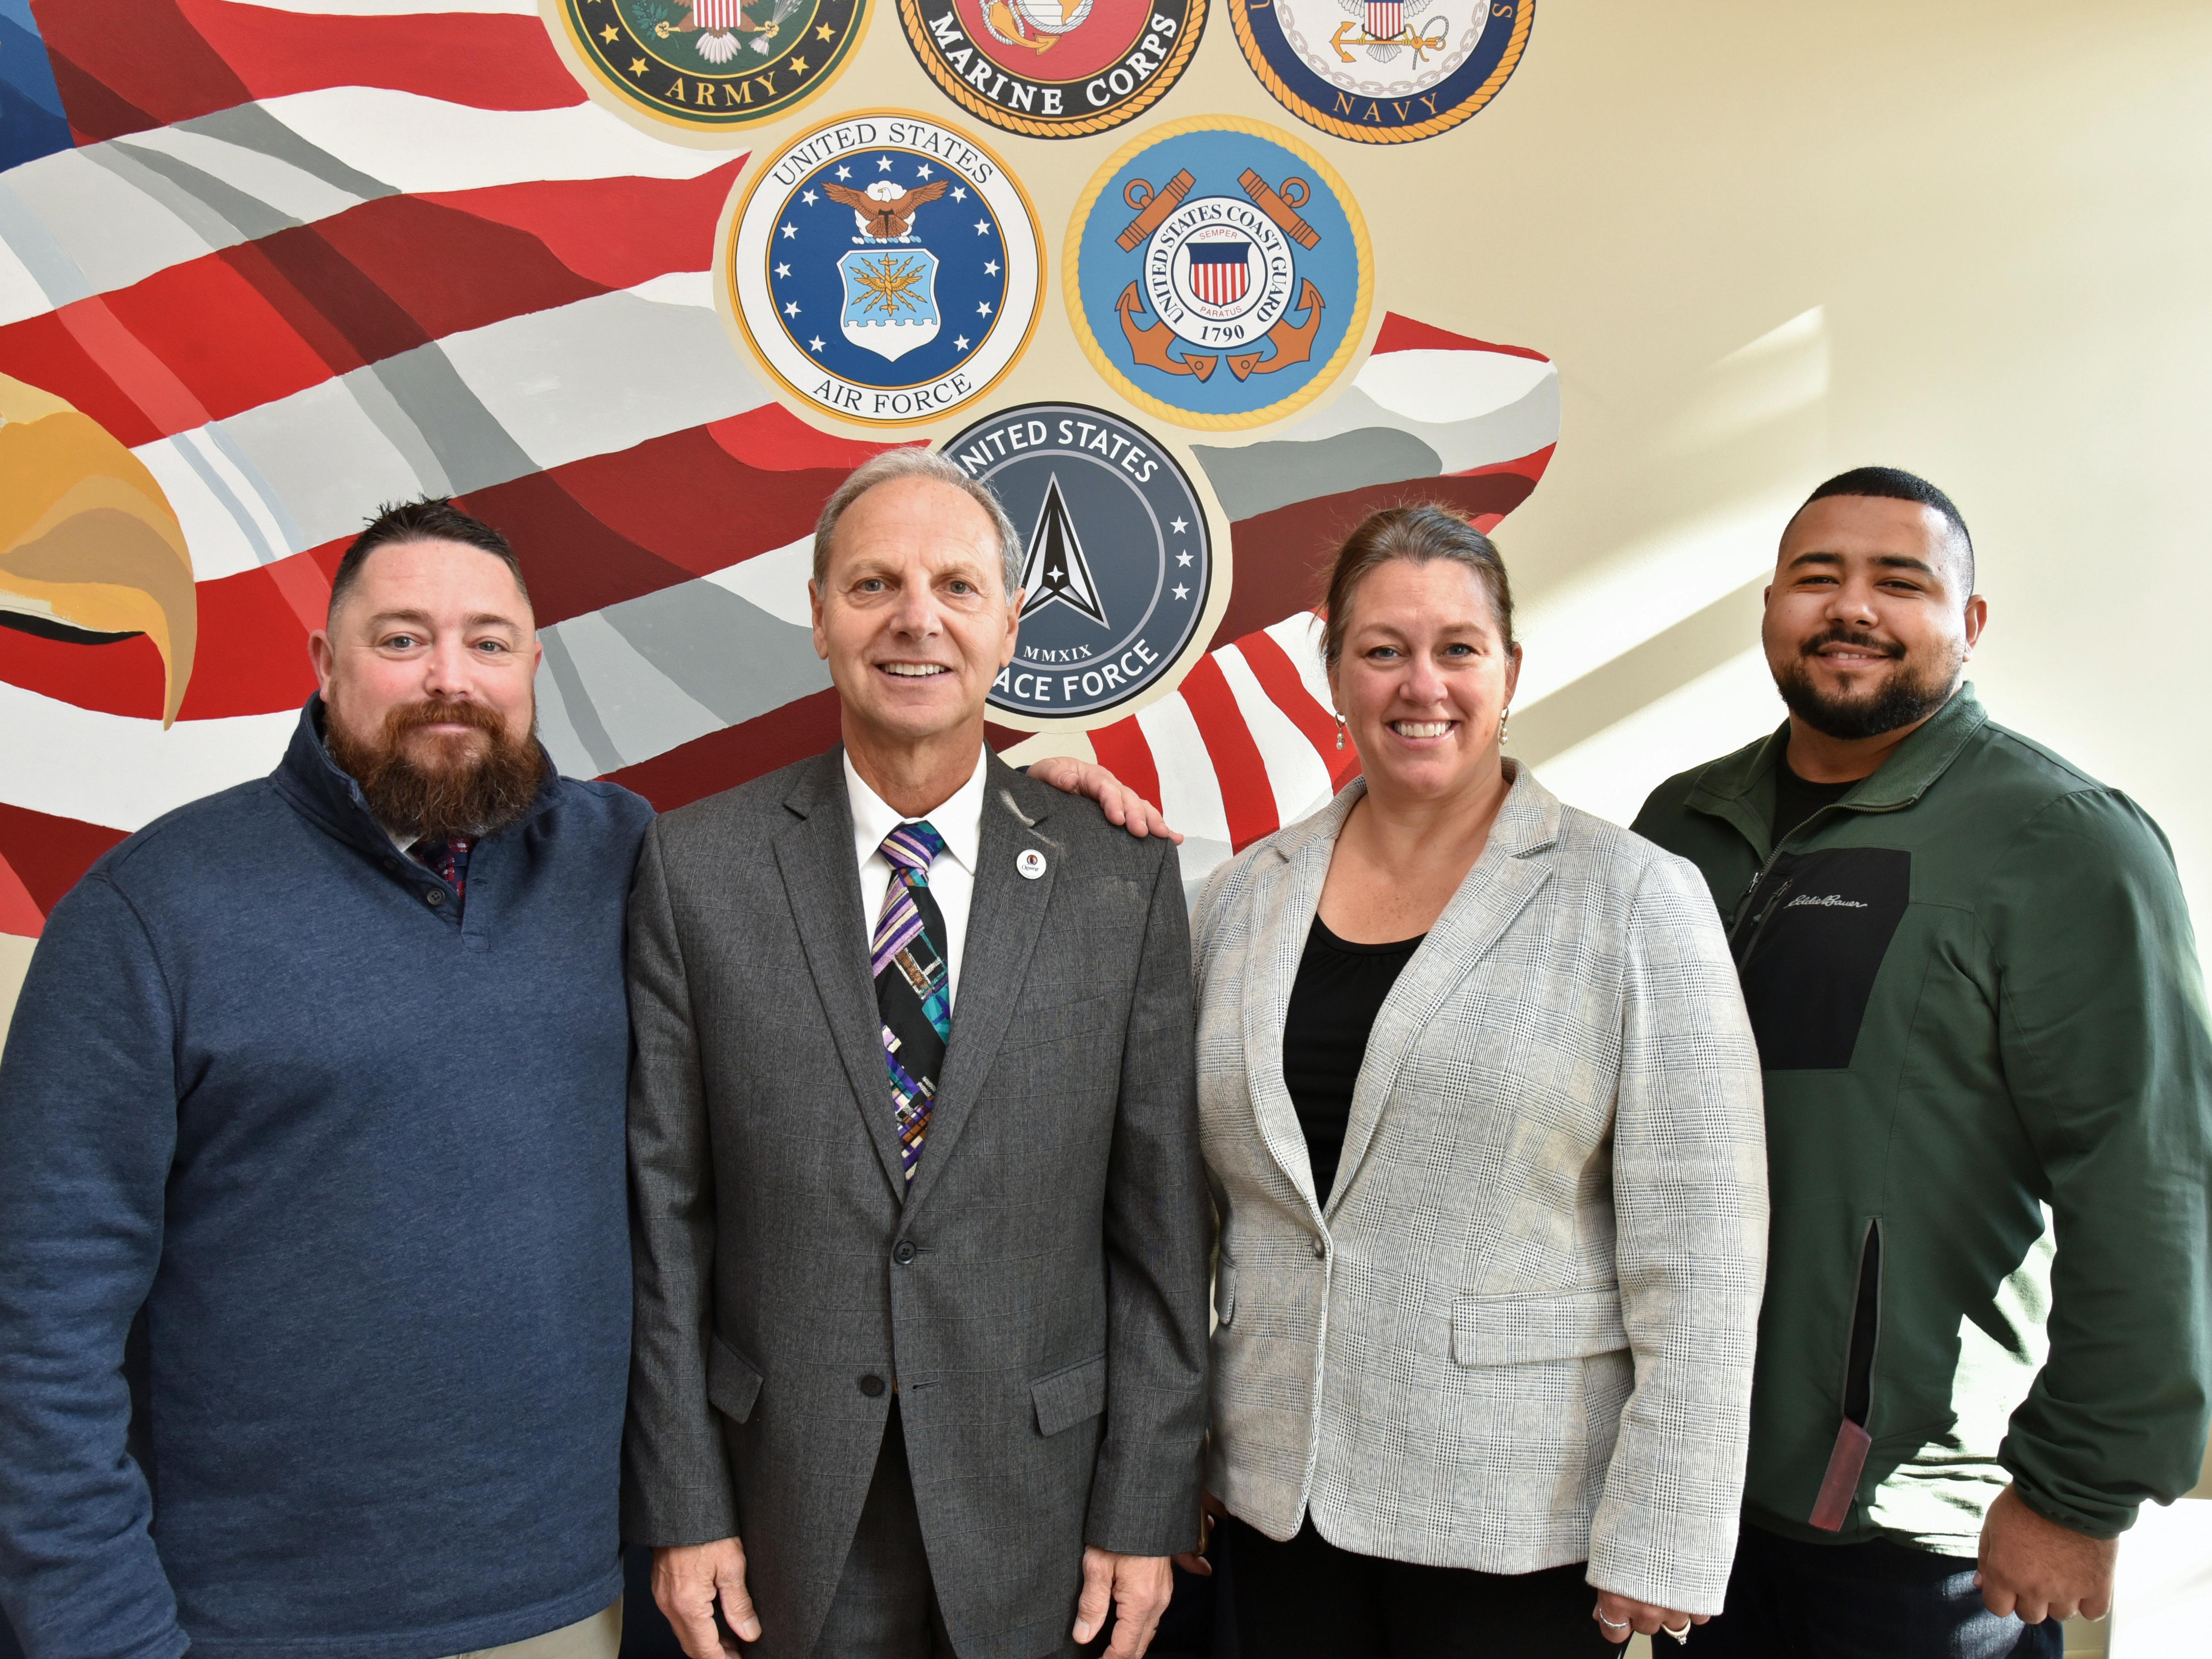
707 66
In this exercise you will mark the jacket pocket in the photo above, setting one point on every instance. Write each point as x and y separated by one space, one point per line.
1059 1023
733 1382
1069 1396
1522 1330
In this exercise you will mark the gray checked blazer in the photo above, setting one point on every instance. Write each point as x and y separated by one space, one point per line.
1519 1331
1037 1298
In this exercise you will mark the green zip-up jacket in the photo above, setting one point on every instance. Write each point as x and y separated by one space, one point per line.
1989 1128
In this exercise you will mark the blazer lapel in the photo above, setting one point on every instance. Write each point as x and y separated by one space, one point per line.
1515 863
822 879
1004 919
1284 900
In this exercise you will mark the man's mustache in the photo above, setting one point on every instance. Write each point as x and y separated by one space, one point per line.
1852 637
434 711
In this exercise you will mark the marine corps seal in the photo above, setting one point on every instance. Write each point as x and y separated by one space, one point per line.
1382 71
1053 68
883 267
1219 272
1119 562
707 65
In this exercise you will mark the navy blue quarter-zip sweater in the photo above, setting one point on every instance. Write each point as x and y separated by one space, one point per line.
340 1161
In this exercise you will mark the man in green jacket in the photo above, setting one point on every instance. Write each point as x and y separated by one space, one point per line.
1988 1105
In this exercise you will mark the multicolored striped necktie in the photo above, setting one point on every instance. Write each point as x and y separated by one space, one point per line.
912 992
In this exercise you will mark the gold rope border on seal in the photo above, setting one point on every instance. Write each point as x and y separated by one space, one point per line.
998 115
762 162
1071 274
1524 18
617 99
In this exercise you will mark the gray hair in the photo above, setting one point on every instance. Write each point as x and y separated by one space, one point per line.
894 464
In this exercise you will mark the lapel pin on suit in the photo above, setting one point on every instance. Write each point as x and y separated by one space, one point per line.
1031 863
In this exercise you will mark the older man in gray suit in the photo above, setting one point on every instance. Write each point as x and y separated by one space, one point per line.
921 1224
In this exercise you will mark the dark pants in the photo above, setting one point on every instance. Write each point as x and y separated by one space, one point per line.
886 1607
1872 1600
1310 1599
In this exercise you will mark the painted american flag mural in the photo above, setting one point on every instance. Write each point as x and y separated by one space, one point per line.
265 267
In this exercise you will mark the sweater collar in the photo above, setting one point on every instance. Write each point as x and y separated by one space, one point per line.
326 792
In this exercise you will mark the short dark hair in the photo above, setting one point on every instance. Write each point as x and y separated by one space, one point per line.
1894 484
432 519
1418 534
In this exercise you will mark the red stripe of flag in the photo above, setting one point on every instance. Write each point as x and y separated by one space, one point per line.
1404 334
1121 750
229 331
590 534
124 69
1247 796
1280 678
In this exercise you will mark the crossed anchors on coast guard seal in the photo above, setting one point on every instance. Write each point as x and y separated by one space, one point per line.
1218 274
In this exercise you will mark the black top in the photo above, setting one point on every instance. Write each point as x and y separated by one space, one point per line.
1797 799
1334 1001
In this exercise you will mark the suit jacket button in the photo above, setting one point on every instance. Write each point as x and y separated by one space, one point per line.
1320 1248
903 1252
872 1385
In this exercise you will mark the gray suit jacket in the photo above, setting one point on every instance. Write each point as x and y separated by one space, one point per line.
1518 1333
1038 1297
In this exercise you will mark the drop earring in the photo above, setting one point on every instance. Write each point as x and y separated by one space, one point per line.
1503 715
1340 731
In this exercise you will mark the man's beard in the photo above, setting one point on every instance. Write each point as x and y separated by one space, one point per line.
1905 697
452 796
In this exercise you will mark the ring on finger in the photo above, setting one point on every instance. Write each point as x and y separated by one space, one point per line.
1682 1635
1610 1624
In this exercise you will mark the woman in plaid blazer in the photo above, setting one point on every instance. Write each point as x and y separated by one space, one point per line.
1481 1110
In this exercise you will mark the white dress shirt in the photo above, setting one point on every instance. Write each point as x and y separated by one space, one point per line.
960 821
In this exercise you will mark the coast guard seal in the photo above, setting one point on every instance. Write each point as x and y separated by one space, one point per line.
1382 71
1119 561
707 65
1217 272
1053 68
883 267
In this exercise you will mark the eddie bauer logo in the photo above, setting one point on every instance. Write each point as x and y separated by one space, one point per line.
1826 901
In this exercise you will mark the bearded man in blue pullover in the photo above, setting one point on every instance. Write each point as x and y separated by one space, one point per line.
312 1106
314 1250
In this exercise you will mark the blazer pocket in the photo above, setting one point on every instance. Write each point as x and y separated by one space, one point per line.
1522 1330
1074 1395
1061 1022
733 1382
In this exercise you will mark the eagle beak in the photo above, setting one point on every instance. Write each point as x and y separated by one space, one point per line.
87 540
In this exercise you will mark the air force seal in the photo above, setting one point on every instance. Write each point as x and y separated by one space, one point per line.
1053 68
1382 71
883 268
1119 562
1219 272
707 65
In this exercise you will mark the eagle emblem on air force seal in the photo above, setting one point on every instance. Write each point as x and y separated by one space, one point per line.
1382 71
883 267
705 65
1219 272
1053 68
1119 562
